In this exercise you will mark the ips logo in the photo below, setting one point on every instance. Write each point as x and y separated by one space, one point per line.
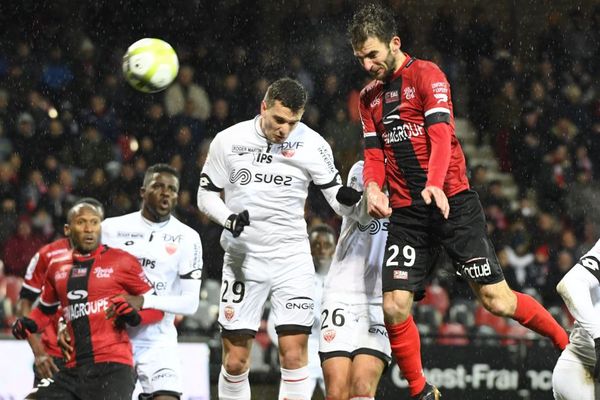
262 158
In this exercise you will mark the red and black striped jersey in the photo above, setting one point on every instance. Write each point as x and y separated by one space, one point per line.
57 251
82 286
408 127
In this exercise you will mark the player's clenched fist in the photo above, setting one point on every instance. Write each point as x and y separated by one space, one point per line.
236 223
23 327
378 204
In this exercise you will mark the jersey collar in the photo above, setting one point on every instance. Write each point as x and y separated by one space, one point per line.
81 257
155 225
407 61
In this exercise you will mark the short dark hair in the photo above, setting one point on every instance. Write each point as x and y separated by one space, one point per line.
158 169
321 229
88 202
372 20
289 92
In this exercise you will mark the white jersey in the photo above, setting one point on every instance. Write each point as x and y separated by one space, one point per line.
581 342
168 251
270 181
355 270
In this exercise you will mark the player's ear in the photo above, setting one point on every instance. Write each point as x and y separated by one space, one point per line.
142 192
395 44
67 230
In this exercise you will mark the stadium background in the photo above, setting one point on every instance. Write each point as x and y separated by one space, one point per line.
527 105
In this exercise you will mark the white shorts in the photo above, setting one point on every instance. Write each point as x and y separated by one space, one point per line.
351 329
572 380
158 368
248 280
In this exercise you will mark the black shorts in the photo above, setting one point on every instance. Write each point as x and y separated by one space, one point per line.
37 378
418 234
102 381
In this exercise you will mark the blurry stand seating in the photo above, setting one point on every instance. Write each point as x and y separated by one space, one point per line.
452 334
515 333
485 335
428 315
484 317
10 287
436 296
461 313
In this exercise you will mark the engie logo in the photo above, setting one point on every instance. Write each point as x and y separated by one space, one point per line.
244 176
300 303
79 294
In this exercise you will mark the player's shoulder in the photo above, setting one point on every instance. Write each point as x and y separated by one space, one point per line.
117 254
594 251
371 90
187 231
55 248
308 135
234 131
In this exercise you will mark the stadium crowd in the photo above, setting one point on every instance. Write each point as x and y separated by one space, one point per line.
71 127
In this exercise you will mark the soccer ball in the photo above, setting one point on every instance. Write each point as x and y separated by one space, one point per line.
150 65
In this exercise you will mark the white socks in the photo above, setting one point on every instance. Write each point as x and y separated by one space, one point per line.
233 387
295 384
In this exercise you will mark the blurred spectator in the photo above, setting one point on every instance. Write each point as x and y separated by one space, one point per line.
6 146
555 177
183 90
20 247
219 119
57 74
8 219
101 116
93 149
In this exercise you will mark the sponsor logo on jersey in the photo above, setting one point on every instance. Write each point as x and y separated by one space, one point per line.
167 237
60 275
442 98
300 303
78 310
327 156
329 335
147 263
241 149
409 92
244 176
78 294
79 272
263 158
378 329
171 248
391 96
590 262
400 133
374 226
103 272
376 102
132 235
229 312
400 274
477 268
163 373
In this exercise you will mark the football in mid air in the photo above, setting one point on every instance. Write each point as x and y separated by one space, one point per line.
150 65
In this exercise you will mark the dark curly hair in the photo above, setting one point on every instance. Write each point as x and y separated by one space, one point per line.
372 20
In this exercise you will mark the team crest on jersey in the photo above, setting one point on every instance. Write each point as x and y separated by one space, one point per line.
409 92
288 153
329 335
228 312
171 248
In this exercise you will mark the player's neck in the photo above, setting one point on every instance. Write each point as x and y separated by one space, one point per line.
400 60
153 217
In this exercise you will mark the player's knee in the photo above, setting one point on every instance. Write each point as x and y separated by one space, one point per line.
293 359
395 312
498 306
362 387
338 392
236 365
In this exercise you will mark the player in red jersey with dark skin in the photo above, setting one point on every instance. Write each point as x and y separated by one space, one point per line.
85 285
410 145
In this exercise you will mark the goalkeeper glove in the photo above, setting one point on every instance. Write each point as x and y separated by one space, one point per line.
236 223
23 327
125 312
348 196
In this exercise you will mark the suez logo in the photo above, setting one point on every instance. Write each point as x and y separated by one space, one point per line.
374 226
480 376
244 177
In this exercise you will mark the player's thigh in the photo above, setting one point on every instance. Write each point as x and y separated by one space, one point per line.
107 381
158 369
337 372
337 327
464 236
573 381
293 294
245 286
408 257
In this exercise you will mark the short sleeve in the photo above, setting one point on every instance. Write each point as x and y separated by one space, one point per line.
190 264
214 172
